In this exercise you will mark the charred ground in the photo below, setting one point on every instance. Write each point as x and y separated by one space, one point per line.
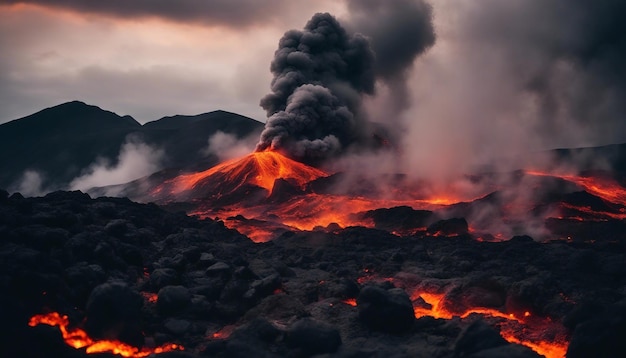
134 272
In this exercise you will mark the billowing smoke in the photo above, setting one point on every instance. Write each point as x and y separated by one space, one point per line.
320 74
399 31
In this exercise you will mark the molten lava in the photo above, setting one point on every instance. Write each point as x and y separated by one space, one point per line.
524 329
604 188
260 169
78 338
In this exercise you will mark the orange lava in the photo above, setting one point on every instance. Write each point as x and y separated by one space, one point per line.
150 296
604 188
350 302
512 327
258 168
78 338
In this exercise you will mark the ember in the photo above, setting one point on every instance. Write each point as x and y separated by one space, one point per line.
78 338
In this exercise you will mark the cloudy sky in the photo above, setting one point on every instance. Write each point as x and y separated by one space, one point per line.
501 75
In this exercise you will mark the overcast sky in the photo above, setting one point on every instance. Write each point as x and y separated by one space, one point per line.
501 75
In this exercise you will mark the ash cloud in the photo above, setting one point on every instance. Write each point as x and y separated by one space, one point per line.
320 74
568 54
399 31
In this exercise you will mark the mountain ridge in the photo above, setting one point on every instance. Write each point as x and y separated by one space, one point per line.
62 141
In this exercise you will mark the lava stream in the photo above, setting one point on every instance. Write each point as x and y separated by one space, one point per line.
511 329
78 338
604 188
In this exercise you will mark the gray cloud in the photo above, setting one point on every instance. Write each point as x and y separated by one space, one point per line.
320 74
230 13
399 31
568 54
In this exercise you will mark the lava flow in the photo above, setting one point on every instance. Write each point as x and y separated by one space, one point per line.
515 329
604 188
260 169
78 338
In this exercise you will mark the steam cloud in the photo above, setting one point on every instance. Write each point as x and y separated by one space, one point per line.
322 73
135 160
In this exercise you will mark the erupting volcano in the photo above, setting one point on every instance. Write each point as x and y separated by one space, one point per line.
258 170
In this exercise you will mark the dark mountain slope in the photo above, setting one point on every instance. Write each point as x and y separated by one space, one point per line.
62 141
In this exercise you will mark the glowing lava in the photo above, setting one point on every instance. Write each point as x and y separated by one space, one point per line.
259 169
604 188
78 338
525 329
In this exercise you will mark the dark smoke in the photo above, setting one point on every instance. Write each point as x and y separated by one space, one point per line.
399 31
569 54
320 74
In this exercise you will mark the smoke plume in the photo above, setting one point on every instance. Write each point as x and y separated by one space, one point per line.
399 31
320 74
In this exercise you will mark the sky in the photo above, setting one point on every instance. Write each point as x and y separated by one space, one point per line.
498 77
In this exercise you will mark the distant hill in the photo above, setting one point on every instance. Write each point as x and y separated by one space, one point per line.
61 141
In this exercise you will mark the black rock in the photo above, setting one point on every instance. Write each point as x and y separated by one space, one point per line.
172 299
449 227
162 277
385 310
313 337
476 337
114 311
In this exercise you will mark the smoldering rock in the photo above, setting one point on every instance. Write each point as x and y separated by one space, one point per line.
385 310
113 311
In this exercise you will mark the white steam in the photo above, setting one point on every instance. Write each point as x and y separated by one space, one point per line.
30 184
136 160
227 146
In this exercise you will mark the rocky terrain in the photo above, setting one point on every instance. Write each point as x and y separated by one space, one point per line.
136 274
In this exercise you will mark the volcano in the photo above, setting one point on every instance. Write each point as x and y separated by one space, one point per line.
250 178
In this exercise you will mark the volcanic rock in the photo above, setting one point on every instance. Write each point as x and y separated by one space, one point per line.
476 337
162 277
114 312
449 227
172 299
312 337
601 336
385 310
508 351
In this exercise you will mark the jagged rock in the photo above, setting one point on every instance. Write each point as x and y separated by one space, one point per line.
385 310
172 299
312 337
